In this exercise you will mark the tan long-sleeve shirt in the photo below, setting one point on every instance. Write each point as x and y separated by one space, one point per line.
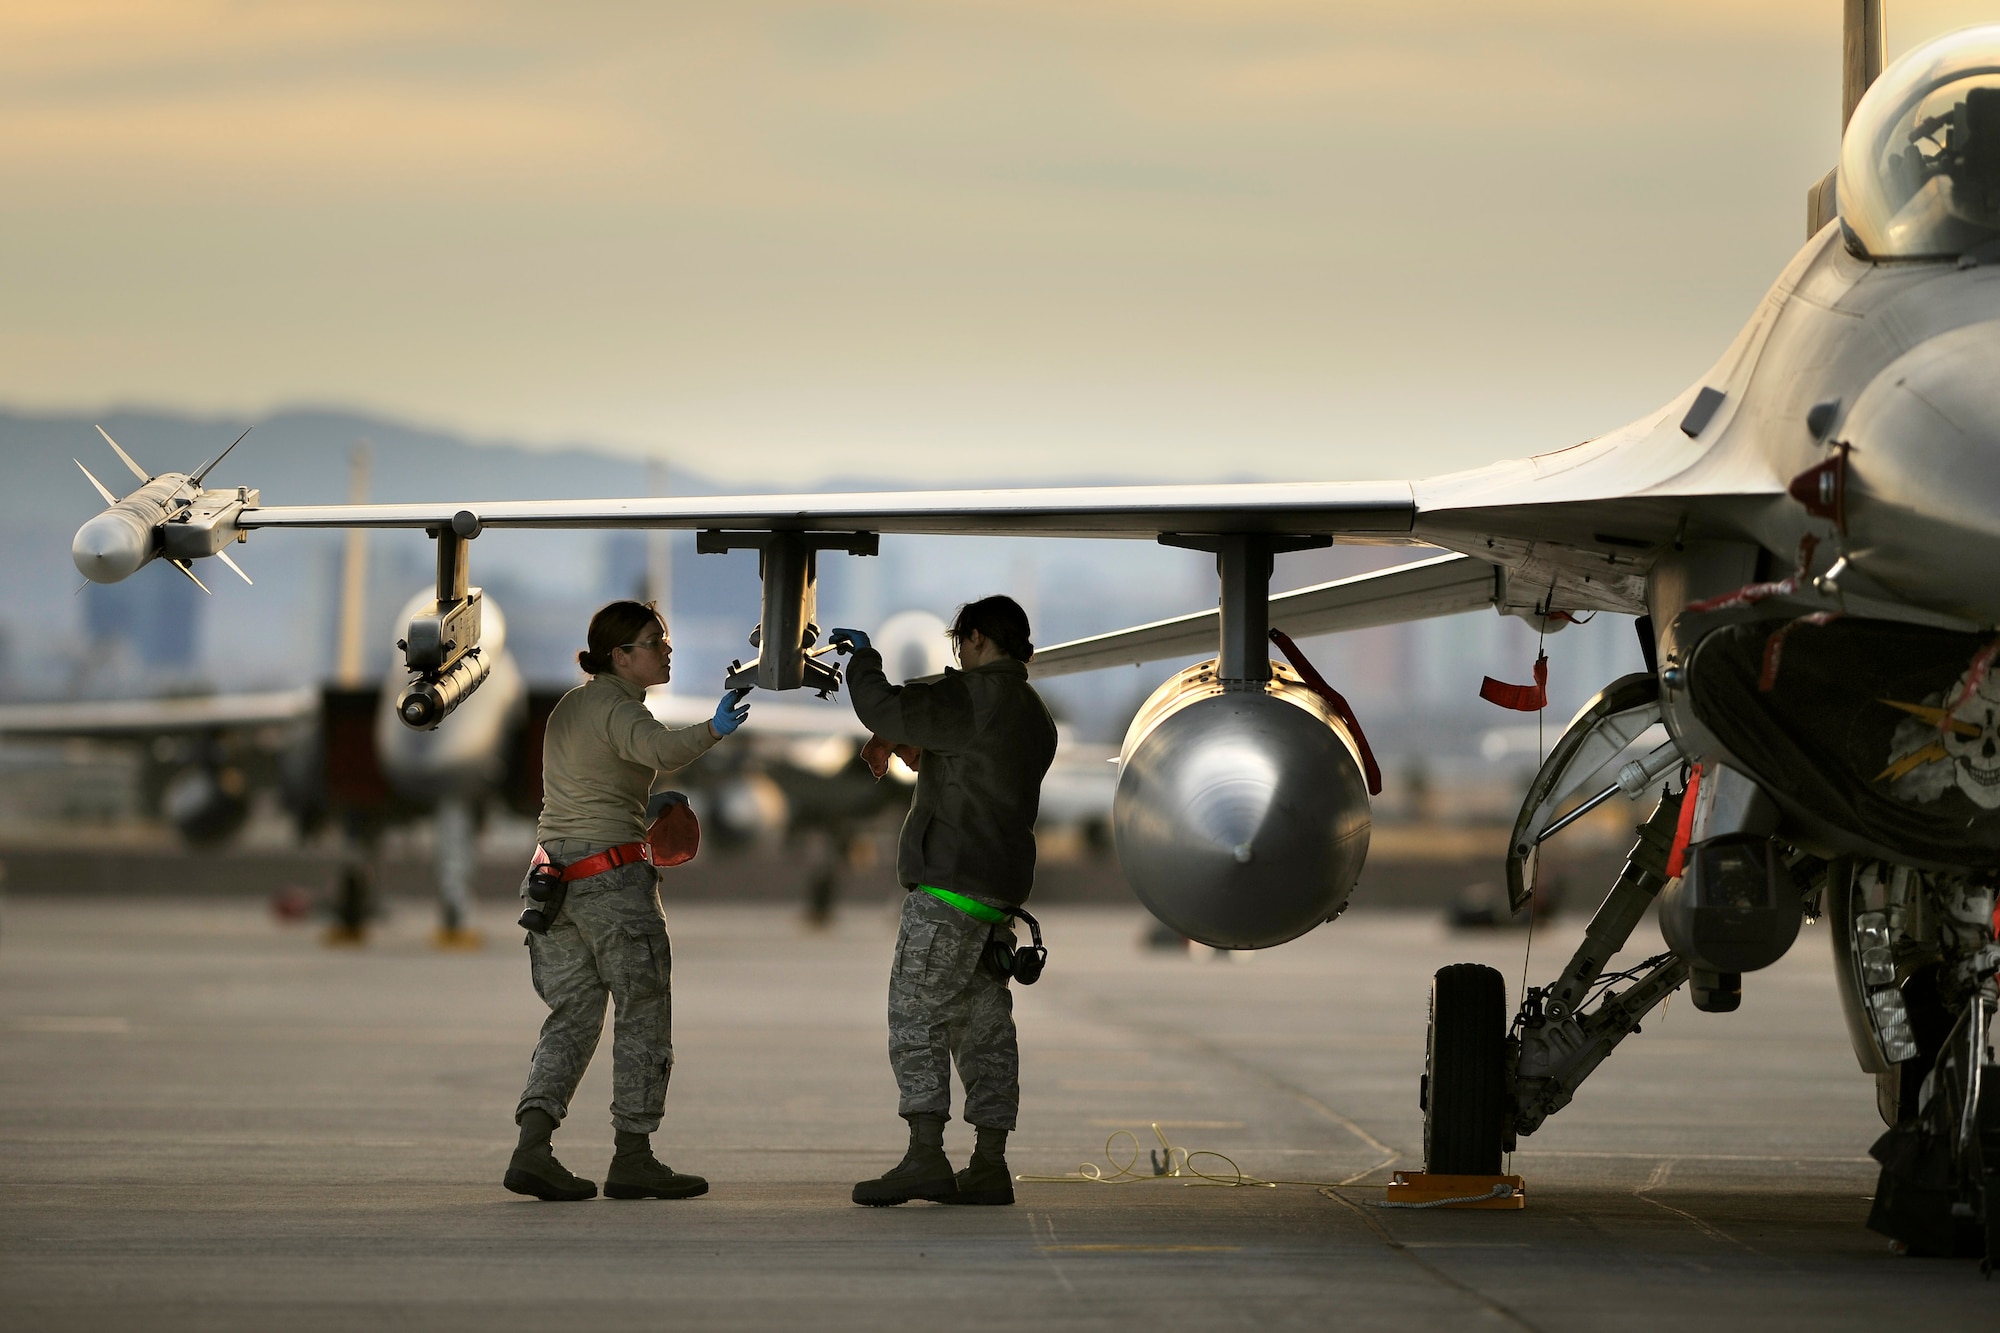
600 757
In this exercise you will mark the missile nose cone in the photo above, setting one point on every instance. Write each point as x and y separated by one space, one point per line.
109 547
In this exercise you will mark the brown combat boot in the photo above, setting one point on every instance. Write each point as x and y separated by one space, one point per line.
986 1178
534 1170
924 1173
636 1174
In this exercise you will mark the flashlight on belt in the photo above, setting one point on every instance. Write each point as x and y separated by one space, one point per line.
546 891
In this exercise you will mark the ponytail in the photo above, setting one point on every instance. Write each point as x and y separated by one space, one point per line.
615 626
1001 620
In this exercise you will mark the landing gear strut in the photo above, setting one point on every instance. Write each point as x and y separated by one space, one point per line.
1485 1084
1557 1039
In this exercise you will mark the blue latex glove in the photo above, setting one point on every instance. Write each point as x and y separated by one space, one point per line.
729 713
849 641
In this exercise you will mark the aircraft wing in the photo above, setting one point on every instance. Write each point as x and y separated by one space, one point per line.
128 718
1575 529
1384 510
1443 586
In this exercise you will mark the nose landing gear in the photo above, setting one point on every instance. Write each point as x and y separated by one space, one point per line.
1482 1087
1464 1092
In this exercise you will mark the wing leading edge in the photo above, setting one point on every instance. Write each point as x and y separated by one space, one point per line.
1442 586
1382 510
155 717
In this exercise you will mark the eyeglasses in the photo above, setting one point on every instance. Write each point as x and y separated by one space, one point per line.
654 645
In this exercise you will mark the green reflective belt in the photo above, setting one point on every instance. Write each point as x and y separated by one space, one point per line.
972 907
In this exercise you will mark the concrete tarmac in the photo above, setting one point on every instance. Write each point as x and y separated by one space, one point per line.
211 1121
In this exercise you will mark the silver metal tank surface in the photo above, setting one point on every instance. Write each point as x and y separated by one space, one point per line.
1241 817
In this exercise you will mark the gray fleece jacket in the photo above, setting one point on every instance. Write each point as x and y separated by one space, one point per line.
987 740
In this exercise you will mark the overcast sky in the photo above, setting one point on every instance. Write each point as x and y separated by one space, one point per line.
936 239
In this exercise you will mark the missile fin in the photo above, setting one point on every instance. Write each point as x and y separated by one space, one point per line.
223 556
209 466
188 570
137 471
102 489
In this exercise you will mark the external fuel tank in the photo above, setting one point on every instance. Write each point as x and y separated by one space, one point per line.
1241 816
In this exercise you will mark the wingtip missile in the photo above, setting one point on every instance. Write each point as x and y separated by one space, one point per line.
112 546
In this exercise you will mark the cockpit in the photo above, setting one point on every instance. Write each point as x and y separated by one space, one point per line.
1920 162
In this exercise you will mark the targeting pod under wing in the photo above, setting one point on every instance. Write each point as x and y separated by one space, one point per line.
441 645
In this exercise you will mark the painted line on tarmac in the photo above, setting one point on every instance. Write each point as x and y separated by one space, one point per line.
1139 1249
1041 1227
1485 1302
1657 1179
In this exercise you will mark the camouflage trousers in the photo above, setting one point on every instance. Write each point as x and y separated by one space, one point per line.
609 941
945 1008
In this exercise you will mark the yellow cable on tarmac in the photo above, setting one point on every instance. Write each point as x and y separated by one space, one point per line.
1171 1162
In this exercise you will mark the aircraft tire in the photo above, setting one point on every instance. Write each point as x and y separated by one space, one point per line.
1465 1086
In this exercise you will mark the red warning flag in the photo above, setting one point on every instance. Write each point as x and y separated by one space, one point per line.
1521 698
1684 826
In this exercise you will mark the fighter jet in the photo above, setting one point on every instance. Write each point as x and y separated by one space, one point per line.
1808 538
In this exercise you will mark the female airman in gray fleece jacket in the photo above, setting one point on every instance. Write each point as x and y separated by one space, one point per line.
966 856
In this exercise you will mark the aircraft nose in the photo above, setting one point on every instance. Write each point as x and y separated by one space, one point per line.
1924 478
109 547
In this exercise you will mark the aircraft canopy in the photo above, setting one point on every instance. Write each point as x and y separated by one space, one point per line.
1920 163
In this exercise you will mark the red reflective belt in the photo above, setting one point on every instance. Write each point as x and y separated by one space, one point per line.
624 854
